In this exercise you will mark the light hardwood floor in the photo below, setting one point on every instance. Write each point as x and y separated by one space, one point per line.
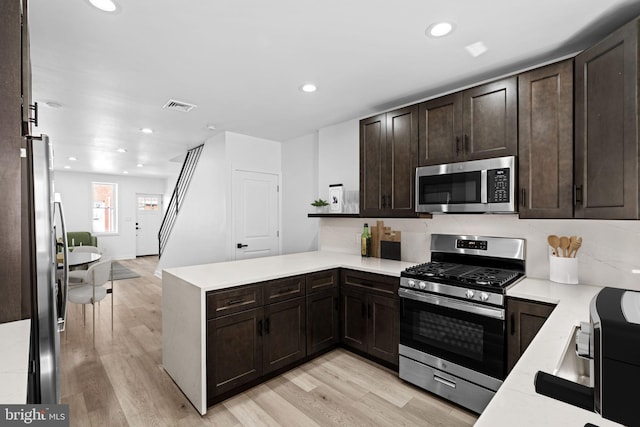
121 382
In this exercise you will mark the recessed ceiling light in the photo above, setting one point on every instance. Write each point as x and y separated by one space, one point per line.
125 172
67 167
439 29
104 5
73 159
476 49
122 150
308 87
146 130
53 104
139 165
211 127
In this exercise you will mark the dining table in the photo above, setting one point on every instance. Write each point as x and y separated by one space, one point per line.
77 259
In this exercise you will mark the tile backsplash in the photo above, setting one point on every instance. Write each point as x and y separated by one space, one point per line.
609 255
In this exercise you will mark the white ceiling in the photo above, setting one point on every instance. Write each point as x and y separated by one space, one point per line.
242 61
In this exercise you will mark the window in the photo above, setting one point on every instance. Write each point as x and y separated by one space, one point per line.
105 213
148 203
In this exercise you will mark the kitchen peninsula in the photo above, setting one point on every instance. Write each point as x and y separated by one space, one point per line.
184 323
184 304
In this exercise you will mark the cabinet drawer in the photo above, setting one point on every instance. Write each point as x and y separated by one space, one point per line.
221 303
284 289
384 285
322 280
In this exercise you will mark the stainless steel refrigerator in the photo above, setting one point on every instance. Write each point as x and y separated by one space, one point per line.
49 279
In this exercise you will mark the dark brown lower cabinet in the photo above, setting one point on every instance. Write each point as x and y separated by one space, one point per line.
323 321
259 330
370 315
284 340
354 318
384 328
524 320
234 351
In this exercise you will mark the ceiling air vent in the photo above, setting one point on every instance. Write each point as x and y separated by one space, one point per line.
185 107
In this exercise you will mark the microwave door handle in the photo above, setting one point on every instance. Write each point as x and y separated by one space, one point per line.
483 186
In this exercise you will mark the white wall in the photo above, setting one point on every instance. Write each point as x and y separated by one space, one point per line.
200 231
203 231
299 189
75 190
339 157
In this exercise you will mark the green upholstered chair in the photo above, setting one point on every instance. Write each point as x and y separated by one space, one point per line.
81 238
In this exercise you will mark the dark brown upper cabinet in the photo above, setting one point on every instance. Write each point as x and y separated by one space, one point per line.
606 126
388 159
15 280
478 123
545 138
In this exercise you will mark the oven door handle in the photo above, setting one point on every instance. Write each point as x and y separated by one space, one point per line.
469 307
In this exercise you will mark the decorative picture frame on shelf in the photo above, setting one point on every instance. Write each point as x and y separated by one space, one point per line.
336 201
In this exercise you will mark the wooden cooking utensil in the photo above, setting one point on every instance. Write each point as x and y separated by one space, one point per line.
554 242
574 246
564 245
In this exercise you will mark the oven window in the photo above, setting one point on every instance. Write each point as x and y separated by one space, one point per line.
471 340
450 334
455 188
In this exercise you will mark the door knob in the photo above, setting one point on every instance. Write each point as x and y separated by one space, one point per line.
240 246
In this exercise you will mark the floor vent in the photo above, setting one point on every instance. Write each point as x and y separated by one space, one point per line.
185 107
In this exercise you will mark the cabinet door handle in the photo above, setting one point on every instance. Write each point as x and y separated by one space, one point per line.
267 326
241 245
260 327
465 144
34 107
457 145
235 301
513 324
577 194
524 197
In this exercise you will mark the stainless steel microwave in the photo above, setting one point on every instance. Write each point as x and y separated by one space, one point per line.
475 186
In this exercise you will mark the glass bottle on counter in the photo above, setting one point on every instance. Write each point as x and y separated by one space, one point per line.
365 242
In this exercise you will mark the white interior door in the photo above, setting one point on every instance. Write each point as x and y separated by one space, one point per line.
148 221
255 214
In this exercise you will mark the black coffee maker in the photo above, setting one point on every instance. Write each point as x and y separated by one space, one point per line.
611 340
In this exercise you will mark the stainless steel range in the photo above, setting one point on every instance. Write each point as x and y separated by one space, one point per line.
452 327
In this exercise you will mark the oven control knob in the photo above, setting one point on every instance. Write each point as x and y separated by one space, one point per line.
422 285
411 283
469 294
484 296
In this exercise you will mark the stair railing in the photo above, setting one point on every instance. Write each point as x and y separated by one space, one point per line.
170 216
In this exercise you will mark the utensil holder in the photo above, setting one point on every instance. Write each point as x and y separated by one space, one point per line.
563 270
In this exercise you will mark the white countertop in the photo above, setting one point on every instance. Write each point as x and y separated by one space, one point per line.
216 276
14 361
516 403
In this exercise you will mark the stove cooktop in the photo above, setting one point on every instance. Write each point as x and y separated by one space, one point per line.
480 277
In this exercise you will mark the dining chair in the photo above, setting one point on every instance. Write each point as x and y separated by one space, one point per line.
93 289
